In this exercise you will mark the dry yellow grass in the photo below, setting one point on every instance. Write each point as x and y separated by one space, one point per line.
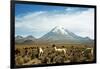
50 56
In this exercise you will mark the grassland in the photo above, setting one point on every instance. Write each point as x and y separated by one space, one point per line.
29 54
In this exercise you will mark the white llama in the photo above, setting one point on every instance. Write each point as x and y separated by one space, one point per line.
60 50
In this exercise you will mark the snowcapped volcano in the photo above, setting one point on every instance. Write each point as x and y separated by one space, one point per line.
59 30
57 33
60 35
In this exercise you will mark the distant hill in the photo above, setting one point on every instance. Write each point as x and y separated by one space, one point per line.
26 40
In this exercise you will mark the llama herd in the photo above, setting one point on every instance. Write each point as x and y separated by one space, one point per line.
54 54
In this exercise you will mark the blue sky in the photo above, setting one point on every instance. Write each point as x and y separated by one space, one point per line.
26 8
37 20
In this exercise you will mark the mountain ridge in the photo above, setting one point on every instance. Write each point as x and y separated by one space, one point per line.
58 35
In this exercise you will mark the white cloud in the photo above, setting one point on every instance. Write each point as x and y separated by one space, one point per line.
42 22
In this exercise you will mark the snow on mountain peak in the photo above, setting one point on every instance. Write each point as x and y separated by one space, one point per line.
59 30
59 27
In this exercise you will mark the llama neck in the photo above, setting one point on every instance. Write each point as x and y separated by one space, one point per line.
55 48
40 49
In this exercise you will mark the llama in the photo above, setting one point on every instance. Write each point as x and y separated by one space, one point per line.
60 50
91 50
40 51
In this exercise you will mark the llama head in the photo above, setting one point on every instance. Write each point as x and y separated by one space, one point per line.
53 45
55 48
